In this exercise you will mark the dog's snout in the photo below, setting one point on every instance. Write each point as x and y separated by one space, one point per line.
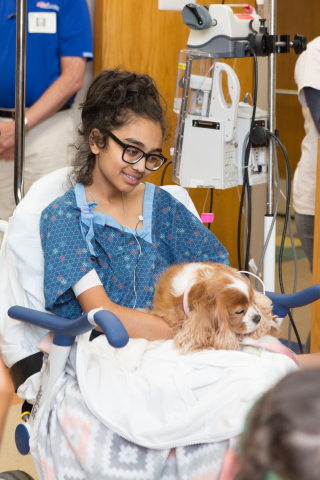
256 319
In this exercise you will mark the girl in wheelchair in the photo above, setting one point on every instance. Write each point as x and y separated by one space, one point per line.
104 243
108 239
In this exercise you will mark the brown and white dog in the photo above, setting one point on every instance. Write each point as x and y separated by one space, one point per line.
211 305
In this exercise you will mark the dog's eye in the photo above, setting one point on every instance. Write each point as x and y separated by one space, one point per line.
240 312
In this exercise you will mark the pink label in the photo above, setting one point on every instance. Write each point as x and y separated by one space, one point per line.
244 16
207 217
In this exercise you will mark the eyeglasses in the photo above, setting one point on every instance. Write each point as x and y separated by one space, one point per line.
132 154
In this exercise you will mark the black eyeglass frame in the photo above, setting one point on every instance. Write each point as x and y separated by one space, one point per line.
143 154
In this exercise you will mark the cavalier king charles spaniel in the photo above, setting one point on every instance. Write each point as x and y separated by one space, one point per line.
211 305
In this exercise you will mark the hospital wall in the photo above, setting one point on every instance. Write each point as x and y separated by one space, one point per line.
135 34
303 18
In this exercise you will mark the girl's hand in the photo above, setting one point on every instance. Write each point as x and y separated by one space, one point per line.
6 393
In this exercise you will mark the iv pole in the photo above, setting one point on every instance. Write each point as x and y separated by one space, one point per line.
269 259
21 42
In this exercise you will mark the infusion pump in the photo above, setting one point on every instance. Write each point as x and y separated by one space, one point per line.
212 129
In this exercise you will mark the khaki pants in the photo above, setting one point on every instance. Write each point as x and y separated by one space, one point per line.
46 149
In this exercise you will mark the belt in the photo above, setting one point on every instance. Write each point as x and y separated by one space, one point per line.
11 113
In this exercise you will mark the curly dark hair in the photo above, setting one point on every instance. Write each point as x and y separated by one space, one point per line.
283 434
113 98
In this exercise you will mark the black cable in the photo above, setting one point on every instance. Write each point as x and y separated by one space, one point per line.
246 184
164 172
247 259
245 174
288 194
211 204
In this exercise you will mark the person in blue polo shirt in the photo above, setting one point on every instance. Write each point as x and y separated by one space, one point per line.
59 43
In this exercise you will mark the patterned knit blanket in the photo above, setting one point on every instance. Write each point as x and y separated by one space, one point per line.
71 444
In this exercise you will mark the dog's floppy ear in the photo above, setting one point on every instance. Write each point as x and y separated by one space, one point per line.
206 327
224 337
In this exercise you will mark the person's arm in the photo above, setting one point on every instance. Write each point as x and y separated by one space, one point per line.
313 101
6 393
309 360
138 324
55 97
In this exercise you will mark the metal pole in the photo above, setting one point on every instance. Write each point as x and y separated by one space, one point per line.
271 103
270 255
21 39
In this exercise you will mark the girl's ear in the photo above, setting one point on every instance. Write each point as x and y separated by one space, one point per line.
230 466
94 140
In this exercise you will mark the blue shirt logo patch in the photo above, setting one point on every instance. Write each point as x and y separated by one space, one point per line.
48 5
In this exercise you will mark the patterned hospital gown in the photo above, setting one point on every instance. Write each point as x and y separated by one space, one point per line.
75 239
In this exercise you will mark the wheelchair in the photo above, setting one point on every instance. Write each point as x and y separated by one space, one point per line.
20 301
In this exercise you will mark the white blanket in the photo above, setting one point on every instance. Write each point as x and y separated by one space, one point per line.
173 399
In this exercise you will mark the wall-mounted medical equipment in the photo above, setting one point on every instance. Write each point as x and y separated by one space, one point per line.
218 30
205 145
210 132
213 144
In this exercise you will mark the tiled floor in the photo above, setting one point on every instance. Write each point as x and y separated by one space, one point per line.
10 459
302 316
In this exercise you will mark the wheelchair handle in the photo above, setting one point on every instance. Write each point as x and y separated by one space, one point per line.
282 303
65 330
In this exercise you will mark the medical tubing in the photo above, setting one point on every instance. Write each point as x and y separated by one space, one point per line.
288 195
295 276
135 268
244 188
244 231
247 259
255 94
164 172
245 168
246 185
205 201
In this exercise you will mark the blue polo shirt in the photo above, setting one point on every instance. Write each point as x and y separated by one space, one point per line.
55 28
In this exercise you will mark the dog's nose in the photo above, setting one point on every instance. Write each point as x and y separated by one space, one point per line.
256 319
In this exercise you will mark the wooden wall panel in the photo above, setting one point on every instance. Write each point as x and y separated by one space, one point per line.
292 17
315 309
303 18
135 34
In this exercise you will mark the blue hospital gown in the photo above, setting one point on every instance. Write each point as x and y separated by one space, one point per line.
75 239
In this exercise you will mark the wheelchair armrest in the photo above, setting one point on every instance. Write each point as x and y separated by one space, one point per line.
282 303
65 330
